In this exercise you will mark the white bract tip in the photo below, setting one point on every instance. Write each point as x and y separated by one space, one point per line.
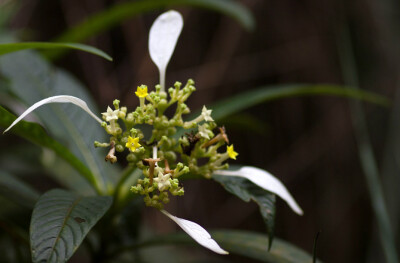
266 181
56 99
164 34
198 233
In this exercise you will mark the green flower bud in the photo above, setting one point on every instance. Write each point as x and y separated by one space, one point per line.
129 117
121 114
116 104
131 158
163 95
170 156
185 170
119 148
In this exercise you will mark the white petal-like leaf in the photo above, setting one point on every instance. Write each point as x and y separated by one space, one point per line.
266 181
163 36
56 99
198 233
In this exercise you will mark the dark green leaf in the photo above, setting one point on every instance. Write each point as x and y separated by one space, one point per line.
14 47
60 222
18 191
246 190
113 16
35 133
251 98
249 244
32 79
254 245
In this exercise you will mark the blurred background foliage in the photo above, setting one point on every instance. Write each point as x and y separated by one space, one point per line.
313 144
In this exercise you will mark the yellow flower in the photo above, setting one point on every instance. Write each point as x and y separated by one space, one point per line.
133 143
231 152
142 91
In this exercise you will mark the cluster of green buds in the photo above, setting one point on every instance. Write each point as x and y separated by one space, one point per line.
163 157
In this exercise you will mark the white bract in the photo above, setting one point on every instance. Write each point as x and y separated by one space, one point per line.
56 99
163 36
162 40
198 233
266 181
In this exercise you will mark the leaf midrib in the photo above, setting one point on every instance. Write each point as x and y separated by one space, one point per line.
63 225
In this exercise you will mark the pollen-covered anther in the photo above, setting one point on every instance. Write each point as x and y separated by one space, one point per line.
111 154
220 136
152 164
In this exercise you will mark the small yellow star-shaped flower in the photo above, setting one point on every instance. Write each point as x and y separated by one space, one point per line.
141 91
133 143
231 152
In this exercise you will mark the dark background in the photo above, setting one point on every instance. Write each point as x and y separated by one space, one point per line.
309 143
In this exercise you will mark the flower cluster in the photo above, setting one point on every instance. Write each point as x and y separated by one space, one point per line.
163 156
158 153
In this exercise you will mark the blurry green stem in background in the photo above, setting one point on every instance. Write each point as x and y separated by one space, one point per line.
244 100
113 16
6 48
366 154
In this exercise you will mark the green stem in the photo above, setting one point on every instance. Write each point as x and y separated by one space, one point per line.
366 154
125 176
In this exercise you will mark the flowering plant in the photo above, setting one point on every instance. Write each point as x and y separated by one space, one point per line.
173 149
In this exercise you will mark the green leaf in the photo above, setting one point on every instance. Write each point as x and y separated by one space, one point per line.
118 13
60 221
18 191
249 244
244 100
14 47
246 190
32 79
254 245
35 133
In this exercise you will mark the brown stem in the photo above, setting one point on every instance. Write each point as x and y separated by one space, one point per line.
110 156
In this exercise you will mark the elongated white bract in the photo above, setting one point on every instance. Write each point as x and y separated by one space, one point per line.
198 233
164 34
56 99
266 181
